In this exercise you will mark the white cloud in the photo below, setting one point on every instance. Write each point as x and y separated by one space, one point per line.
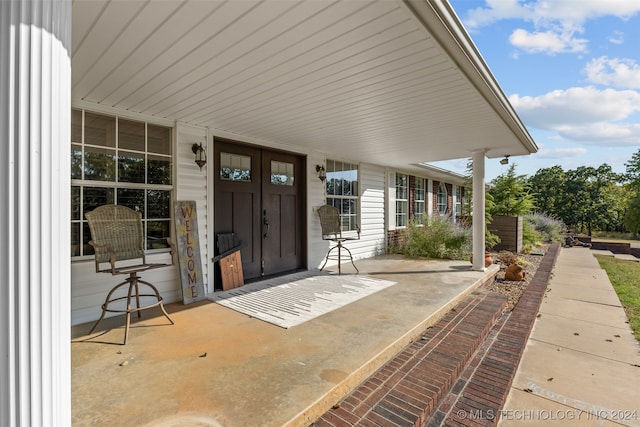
621 73
545 13
616 38
609 134
587 115
559 153
555 23
496 10
547 42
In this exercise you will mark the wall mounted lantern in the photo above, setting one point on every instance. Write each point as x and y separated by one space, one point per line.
201 155
322 173
505 160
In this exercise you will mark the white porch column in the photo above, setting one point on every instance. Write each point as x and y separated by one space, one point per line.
35 95
478 211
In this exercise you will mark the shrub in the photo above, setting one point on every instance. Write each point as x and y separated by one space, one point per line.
530 236
437 238
548 229
508 258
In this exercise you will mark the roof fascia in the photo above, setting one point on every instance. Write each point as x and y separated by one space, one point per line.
439 19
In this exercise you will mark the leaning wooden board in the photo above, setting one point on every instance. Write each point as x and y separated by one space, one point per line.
231 271
186 223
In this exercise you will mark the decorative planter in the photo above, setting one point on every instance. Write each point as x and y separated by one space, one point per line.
514 273
488 259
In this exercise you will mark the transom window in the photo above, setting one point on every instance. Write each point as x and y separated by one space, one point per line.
402 199
124 162
343 192
235 167
419 201
442 198
281 173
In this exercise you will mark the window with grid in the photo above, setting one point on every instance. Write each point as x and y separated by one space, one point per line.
343 191
419 200
458 193
442 198
402 199
124 162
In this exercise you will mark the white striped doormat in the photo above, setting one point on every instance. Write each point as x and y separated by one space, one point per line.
298 299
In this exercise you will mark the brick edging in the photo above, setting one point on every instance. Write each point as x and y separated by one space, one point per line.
482 390
406 390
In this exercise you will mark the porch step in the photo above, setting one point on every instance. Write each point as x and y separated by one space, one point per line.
407 390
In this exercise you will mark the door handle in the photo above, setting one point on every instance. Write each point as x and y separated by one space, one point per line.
265 225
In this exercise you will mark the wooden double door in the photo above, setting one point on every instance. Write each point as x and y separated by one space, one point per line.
259 196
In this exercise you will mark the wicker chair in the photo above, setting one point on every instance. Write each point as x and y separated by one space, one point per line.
330 222
118 238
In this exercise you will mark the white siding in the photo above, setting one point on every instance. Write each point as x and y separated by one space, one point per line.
317 248
89 289
373 237
192 184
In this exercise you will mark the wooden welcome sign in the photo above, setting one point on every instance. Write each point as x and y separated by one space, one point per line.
186 220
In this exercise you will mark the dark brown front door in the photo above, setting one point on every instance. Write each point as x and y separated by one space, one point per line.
259 197
281 212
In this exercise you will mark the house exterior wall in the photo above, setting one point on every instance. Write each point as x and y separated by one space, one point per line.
191 183
394 234
434 197
376 218
316 247
371 218
372 212
88 288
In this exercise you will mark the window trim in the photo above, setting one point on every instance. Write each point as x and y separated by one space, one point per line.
353 225
420 202
457 209
442 191
400 201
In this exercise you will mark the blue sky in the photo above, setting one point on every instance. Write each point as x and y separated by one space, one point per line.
571 70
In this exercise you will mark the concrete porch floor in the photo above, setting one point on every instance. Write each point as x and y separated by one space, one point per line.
216 366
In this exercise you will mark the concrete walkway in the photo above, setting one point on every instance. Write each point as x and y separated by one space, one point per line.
581 365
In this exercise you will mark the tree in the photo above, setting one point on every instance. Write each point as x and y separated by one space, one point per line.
590 199
632 217
547 187
511 194
633 171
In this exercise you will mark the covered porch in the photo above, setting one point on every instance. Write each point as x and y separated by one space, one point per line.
384 84
216 366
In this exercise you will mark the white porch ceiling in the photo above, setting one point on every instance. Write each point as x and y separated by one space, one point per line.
386 82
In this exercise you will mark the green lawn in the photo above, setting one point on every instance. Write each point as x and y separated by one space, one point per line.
625 277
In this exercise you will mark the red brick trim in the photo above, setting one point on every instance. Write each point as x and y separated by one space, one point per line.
465 362
408 388
483 387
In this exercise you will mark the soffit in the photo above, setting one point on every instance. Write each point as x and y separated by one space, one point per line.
370 81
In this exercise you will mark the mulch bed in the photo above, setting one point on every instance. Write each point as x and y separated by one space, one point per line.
511 289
